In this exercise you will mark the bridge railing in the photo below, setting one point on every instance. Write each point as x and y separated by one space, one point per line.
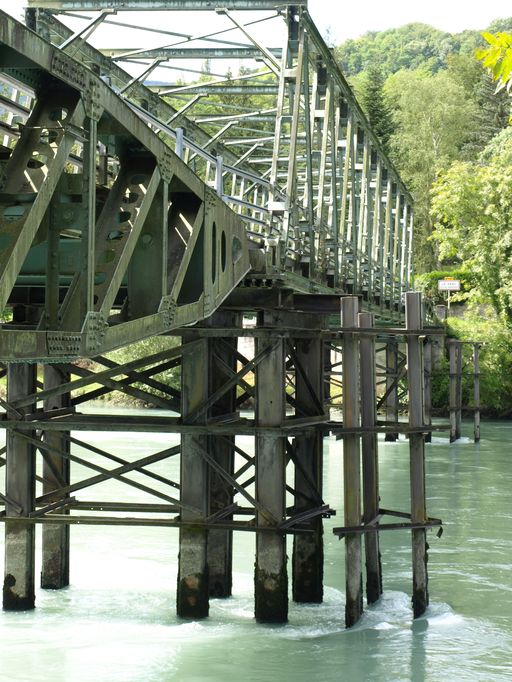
306 173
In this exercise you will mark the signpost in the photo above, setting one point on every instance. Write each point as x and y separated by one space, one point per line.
448 284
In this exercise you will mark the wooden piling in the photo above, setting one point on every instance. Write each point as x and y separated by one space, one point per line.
308 552
417 454
427 386
476 391
220 542
391 386
56 473
192 592
270 577
351 462
455 359
370 460
19 576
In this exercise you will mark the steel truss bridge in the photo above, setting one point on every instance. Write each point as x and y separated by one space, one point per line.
135 204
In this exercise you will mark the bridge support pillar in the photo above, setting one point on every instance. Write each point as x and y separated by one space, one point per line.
308 550
370 461
427 386
351 463
391 385
220 542
19 585
192 593
417 454
455 357
271 577
56 473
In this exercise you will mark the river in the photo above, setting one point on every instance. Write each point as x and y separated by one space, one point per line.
116 622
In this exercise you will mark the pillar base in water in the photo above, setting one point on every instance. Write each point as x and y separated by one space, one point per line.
308 569
271 596
13 601
192 597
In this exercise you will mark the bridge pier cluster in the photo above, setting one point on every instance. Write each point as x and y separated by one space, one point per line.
274 491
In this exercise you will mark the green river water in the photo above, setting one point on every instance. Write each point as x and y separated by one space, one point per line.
116 622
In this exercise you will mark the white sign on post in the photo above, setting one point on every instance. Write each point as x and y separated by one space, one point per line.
448 284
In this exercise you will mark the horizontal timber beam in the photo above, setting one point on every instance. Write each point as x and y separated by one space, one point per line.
168 5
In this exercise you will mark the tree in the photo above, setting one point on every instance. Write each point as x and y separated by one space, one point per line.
375 104
498 57
472 207
433 116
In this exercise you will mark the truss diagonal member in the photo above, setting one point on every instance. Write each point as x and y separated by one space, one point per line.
145 377
269 58
298 366
99 376
191 418
88 28
316 497
106 474
20 228
114 458
400 373
124 386
269 517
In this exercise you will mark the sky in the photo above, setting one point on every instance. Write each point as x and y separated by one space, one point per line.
349 19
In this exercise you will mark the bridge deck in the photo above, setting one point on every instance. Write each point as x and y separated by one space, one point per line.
125 212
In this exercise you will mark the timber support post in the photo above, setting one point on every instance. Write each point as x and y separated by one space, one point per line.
271 576
391 385
351 462
19 576
308 551
370 460
427 386
192 594
417 453
476 391
220 542
56 473
455 359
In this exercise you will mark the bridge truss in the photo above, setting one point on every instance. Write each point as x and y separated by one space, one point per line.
133 205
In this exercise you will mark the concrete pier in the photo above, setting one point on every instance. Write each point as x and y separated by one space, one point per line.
19 575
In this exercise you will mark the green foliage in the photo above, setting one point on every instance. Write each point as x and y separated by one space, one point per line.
495 361
432 116
427 283
376 106
472 206
410 47
498 57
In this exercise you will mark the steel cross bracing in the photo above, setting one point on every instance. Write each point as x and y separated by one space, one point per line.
91 261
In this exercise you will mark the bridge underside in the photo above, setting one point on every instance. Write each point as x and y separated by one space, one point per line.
132 209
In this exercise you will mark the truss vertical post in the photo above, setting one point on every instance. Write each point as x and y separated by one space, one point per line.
391 385
56 473
192 594
271 578
476 390
370 459
19 585
308 551
417 454
427 386
220 542
455 359
351 462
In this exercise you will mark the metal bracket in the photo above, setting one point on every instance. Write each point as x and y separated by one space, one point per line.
166 165
167 309
63 344
95 327
92 100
